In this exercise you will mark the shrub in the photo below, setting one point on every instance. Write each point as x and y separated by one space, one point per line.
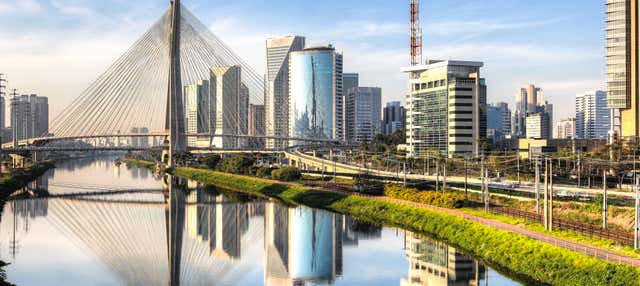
287 174
263 172
235 164
440 199
212 161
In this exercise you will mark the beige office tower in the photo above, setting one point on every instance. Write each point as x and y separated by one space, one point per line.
226 88
622 67
276 96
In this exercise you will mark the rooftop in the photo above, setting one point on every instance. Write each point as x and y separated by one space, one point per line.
438 63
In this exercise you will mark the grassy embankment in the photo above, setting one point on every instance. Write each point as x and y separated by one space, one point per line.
18 179
138 163
526 258
12 181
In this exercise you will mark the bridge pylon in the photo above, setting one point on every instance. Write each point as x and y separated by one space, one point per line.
174 123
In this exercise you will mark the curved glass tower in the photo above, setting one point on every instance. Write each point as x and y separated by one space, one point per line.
315 109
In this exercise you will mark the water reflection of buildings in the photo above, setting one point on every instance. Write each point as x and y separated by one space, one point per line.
435 263
219 221
300 245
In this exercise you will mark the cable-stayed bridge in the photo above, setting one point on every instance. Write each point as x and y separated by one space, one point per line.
178 82
187 234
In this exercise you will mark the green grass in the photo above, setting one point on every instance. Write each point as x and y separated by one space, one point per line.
20 178
138 163
526 258
606 244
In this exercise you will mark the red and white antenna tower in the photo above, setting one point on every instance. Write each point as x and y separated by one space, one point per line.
416 33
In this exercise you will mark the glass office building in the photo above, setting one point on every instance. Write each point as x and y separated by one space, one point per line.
315 109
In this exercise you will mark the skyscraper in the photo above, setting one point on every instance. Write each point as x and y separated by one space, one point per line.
394 117
446 108
197 101
349 81
538 126
243 115
527 99
256 125
277 92
566 129
499 120
41 116
29 116
316 94
2 113
593 119
363 108
622 66
226 89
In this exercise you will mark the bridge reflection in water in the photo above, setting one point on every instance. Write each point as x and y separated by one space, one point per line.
194 235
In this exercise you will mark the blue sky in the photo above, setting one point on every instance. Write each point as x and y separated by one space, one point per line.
57 47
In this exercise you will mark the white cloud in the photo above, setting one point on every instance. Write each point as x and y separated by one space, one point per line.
73 9
20 6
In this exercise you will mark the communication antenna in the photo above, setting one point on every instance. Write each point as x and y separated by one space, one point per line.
415 33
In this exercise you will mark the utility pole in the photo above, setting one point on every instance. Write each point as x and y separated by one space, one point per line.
636 230
487 195
482 177
335 172
546 193
437 174
424 172
551 195
579 169
466 175
518 166
537 184
604 199
404 171
444 175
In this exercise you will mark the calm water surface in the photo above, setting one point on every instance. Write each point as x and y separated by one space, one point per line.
108 225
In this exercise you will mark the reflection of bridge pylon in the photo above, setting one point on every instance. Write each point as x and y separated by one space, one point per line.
174 220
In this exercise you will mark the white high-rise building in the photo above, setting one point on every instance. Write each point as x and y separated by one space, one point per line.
593 116
243 115
565 129
538 126
226 90
446 109
199 113
2 114
277 92
363 112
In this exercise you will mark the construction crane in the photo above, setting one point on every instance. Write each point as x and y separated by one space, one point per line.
416 33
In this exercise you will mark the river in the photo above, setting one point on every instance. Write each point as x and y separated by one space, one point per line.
89 222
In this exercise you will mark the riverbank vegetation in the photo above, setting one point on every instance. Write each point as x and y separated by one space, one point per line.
19 178
138 163
3 275
526 257
441 199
